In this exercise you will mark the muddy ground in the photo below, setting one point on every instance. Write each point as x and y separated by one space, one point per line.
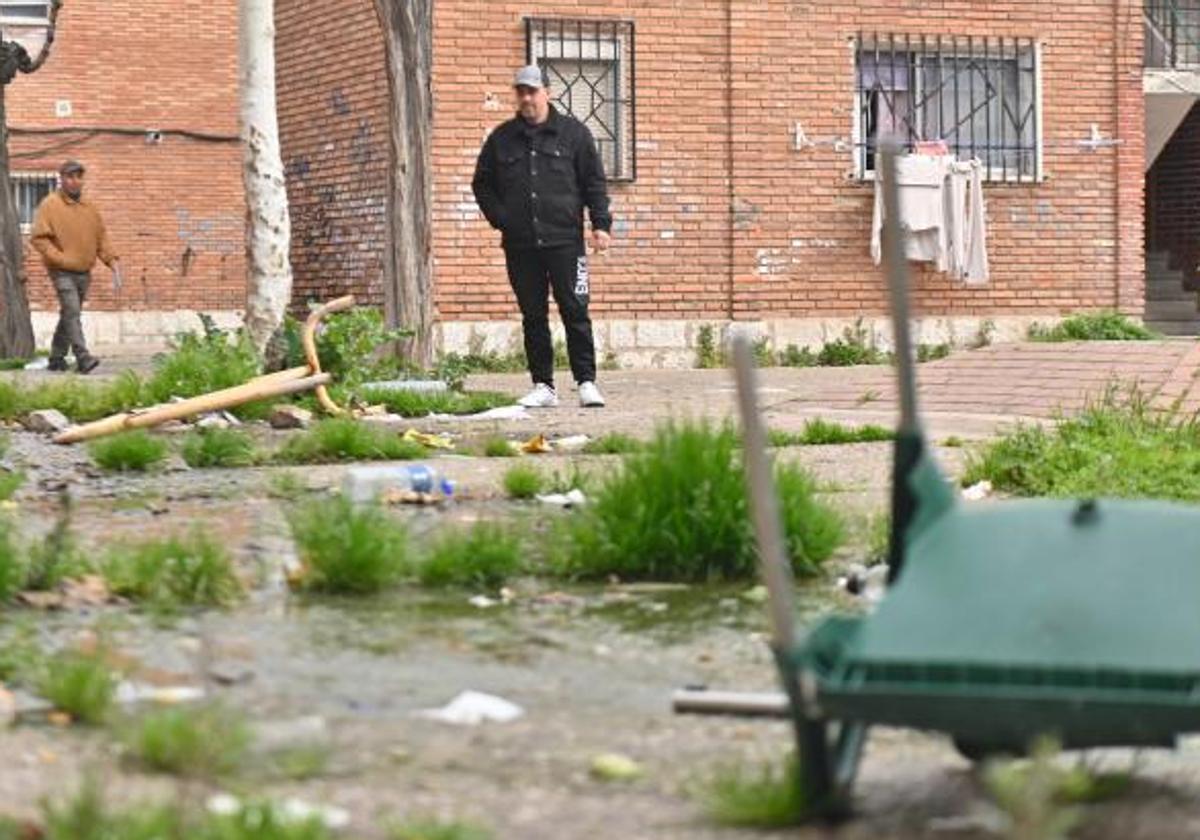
593 667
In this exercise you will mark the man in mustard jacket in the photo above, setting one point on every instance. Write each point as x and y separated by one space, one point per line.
69 234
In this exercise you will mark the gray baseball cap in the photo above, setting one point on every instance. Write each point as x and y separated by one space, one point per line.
531 76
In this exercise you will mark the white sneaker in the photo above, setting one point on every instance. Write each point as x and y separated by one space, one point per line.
542 396
590 396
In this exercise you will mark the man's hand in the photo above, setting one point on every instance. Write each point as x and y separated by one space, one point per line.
601 240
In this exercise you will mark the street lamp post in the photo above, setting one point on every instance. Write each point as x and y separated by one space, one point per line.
26 34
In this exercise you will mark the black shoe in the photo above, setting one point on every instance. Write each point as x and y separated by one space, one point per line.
57 365
88 365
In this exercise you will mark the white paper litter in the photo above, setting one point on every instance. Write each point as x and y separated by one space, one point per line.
482 601
291 810
130 692
471 708
574 498
40 363
504 412
570 444
978 492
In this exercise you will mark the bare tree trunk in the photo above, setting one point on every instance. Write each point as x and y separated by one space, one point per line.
16 325
408 262
268 224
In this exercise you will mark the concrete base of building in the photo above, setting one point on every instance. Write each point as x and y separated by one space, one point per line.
675 343
133 327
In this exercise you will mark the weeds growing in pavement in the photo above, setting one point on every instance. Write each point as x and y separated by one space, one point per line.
855 347
483 556
818 432
134 451
80 684
198 741
613 443
10 483
1115 447
766 796
432 829
678 511
55 557
191 571
347 548
287 486
86 816
78 398
498 447
522 481
1093 326
206 361
346 439
708 354
219 448
932 352
20 655
793 356
421 404
12 562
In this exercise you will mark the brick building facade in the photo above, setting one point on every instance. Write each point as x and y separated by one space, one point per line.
145 94
748 203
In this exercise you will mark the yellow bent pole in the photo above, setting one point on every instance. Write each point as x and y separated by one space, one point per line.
291 381
308 338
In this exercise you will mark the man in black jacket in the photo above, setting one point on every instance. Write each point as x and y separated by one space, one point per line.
534 176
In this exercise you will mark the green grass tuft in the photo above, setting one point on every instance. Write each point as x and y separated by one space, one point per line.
419 404
818 432
678 512
855 347
483 556
10 483
349 549
613 443
80 684
522 481
755 797
219 448
1125 450
134 451
191 571
202 742
498 447
203 362
12 562
438 830
346 439
1093 326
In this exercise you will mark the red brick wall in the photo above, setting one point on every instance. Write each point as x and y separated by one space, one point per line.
726 218
333 101
175 210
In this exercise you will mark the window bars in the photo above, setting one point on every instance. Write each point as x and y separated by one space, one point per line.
590 64
1172 33
980 96
29 188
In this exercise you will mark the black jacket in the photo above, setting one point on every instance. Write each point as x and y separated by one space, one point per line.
532 182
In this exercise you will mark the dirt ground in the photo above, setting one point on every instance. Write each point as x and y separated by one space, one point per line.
593 668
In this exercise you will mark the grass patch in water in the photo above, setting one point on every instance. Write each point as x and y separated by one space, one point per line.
134 451
191 571
522 481
346 439
483 556
1093 326
420 404
678 512
80 684
204 742
219 448
818 432
1113 448
349 549
766 796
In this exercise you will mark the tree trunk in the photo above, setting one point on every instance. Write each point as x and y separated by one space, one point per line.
16 326
268 225
408 261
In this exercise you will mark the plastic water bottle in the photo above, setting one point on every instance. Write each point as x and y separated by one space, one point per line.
366 484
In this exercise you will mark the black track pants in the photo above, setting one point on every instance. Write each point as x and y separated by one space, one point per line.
534 273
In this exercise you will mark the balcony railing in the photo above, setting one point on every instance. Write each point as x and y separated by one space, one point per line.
1173 34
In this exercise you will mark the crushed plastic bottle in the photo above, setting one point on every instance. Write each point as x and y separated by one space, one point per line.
366 484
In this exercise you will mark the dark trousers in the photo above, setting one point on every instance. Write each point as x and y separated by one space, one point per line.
72 289
534 273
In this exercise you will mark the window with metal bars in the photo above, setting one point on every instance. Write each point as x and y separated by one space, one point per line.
29 188
978 96
590 64
23 12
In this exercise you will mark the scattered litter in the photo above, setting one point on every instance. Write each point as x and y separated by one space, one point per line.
47 421
292 810
504 412
208 421
574 498
614 767
536 445
571 444
421 386
868 583
507 595
394 483
471 708
978 492
482 601
408 497
40 363
429 441
131 693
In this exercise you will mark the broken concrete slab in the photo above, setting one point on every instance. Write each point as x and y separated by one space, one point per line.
290 417
47 421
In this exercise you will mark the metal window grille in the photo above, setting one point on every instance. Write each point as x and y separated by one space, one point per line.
1172 33
29 188
979 96
24 13
590 64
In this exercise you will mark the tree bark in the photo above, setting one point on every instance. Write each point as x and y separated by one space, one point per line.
408 260
268 224
16 325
